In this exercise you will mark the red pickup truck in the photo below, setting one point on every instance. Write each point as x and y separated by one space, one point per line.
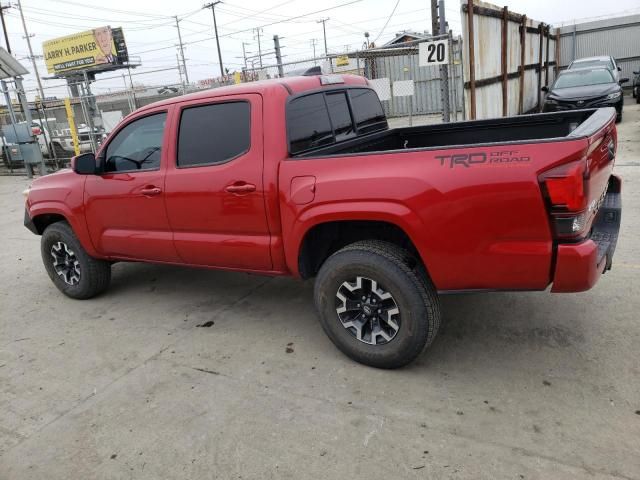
302 176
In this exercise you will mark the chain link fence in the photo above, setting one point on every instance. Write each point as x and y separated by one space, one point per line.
410 93
94 116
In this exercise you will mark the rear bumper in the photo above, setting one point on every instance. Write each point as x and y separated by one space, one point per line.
579 265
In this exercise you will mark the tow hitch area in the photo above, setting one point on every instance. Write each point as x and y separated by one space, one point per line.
607 223
579 265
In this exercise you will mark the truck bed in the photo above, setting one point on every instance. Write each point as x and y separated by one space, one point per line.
538 127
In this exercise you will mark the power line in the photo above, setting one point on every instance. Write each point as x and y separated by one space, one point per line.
261 26
387 22
261 11
56 13
81 27
93 6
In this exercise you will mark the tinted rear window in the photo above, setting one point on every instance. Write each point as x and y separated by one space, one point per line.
340 115
325 118
212 134
308 123
366 109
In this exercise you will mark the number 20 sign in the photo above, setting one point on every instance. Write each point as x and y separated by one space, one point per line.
433 53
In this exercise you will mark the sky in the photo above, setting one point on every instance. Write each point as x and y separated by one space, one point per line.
151 34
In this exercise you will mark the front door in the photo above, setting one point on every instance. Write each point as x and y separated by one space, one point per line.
125 207
214 188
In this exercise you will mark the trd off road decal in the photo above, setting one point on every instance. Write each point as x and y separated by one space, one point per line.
499 157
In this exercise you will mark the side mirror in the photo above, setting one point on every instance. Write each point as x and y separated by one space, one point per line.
636 73
545 89
619 69
623 80
84 164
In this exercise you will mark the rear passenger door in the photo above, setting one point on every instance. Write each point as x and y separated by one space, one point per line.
214 188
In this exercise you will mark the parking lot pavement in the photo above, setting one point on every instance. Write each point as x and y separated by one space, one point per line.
177 373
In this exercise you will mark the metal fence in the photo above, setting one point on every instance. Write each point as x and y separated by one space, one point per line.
94 117
507 59
618 37
409 92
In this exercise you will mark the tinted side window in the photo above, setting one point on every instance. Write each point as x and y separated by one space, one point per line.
367 110
340 115
137 146
212 134
308 123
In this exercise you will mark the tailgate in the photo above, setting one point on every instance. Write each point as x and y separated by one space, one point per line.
575 191
584 204
600 132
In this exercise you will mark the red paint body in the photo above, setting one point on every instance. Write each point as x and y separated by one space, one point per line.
485 227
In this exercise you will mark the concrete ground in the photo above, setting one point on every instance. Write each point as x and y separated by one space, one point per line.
136 384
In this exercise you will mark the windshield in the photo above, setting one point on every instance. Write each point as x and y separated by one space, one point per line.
578 78
592 63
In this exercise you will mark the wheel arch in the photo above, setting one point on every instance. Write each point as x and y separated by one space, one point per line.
43 220
319 234
43 214
324 239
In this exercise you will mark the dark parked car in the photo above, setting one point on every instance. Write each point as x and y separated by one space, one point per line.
605 61
585 88
636 86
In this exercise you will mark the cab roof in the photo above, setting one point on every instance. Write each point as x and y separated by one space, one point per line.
287 85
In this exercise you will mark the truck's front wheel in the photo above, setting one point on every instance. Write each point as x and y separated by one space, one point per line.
377 304
72 270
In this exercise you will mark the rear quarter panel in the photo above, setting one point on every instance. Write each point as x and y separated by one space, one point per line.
476 215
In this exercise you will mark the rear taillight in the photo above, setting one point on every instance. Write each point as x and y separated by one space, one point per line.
36 130
566 193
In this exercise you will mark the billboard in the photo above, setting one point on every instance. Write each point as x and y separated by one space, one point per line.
99 49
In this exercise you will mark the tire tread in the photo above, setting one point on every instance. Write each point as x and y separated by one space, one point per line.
415 272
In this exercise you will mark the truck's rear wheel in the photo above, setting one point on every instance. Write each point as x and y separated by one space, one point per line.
70 268
377 304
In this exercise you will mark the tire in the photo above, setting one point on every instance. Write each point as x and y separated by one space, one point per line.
70 268
395 272
637 98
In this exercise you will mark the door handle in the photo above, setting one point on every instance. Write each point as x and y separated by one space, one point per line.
150 191
240 188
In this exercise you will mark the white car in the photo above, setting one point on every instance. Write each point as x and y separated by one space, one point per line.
606 61
60 140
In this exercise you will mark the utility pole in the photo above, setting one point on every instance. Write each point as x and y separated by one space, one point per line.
20 90
4 27
31 56
184 63
444 70
435 25
212 6
258 29
179 70
276 46
244 54
314 42
324 31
